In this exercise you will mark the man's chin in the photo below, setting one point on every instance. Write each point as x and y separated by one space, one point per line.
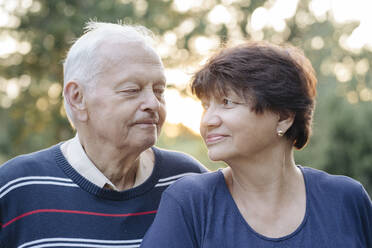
142 140
148 142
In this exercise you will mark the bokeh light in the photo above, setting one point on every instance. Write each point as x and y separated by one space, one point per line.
272 15
183 110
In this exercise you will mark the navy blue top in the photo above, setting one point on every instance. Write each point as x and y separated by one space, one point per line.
199 211
44 202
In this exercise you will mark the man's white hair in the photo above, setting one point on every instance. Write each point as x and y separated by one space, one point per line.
83 61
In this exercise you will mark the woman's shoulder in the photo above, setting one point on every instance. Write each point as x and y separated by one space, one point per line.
195 186
197 181
332 184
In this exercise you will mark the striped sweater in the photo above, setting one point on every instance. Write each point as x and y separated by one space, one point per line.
44 202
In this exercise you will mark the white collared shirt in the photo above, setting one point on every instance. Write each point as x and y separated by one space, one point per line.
78 159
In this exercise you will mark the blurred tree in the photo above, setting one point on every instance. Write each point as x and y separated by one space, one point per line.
36 34
350 146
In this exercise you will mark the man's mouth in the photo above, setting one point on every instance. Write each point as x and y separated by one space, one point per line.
147 123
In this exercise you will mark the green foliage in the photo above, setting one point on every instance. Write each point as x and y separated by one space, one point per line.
350 135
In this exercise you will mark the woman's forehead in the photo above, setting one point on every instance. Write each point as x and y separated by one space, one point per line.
219 92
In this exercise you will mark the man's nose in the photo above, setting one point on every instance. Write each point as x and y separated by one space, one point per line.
150 101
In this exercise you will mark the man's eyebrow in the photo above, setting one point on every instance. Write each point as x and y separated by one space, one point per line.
160 82
124 83
162 79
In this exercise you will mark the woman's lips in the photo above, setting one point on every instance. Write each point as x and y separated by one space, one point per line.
214 138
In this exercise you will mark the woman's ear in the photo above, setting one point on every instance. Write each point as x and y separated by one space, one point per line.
74 95
285 122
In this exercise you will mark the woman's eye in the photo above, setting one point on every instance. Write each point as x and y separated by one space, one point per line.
227 102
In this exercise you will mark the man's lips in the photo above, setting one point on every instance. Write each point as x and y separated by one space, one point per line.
146 122
214 138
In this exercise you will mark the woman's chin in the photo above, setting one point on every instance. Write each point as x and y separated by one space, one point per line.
215 157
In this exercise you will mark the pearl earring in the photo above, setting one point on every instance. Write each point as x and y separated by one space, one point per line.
280 133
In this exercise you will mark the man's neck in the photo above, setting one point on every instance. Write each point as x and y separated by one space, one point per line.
125 168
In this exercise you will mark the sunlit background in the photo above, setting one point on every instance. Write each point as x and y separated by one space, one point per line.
335 35
184 110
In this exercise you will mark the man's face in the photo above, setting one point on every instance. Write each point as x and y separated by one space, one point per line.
126 107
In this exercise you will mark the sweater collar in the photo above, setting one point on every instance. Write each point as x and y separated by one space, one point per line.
92 188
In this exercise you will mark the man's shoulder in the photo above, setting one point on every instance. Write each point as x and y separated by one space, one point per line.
177 162
26 164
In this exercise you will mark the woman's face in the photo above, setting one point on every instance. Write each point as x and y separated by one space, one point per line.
233 132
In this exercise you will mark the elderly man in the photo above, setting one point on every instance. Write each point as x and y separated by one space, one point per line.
101 188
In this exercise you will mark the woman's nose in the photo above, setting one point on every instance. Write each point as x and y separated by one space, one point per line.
210 118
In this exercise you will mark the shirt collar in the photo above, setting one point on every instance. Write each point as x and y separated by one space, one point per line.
78 159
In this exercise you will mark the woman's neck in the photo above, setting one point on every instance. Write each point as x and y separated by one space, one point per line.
268 175
264 171
269 192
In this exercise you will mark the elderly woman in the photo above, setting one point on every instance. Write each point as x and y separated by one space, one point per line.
259 101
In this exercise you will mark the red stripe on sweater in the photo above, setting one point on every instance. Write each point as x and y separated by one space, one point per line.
74 212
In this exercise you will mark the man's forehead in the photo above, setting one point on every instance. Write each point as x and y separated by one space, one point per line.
112 59
132 50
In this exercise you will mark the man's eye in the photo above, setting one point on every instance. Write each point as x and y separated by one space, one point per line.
204 105
159 91
130 91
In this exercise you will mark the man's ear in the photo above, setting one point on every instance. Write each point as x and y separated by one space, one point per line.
285 122
74 95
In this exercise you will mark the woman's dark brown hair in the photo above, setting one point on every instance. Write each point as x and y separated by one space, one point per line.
271 78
